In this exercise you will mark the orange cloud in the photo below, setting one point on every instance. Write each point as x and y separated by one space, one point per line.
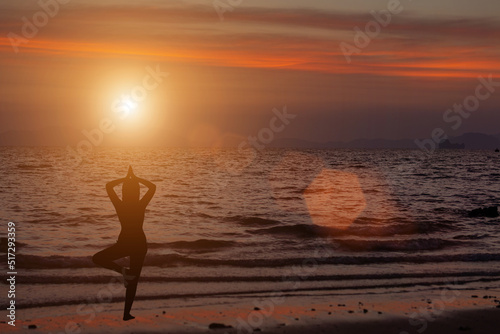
408 47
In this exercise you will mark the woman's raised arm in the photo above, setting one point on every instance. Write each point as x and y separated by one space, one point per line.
111 191
151 191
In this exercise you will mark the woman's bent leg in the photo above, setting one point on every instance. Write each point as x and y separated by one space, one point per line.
106 257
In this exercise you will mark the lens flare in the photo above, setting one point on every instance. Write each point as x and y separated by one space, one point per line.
335 199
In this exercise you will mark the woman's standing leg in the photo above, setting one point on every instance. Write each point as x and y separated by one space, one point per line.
136 262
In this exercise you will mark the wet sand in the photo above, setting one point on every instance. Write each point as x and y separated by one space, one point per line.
433 311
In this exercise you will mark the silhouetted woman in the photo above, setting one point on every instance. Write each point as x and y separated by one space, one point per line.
132 240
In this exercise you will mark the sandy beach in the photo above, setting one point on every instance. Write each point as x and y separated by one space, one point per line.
437 311
237 167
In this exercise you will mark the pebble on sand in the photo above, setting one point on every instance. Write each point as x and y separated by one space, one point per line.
215 325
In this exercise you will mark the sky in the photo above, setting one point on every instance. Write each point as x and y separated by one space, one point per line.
230 63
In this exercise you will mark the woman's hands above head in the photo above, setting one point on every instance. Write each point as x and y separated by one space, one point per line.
130 174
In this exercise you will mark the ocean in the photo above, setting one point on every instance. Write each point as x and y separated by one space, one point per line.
227 223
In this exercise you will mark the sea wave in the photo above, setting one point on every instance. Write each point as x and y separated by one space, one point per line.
252 221
66 279
303 290
26 166
201 244
178 260
420 244
356 229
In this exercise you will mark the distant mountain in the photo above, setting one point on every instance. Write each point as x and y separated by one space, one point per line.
473 141
477 141
448 145
378 143
358 143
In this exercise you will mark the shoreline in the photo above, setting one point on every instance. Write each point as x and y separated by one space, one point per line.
438 311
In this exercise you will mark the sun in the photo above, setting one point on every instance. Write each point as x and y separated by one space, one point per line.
129 106
125 106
